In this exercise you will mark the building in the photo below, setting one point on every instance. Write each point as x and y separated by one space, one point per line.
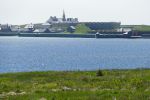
29 28
72 20
42 26
5 28
64 16
126 28
54 20
15 28
71 29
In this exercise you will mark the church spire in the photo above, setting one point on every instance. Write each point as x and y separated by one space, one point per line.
64 16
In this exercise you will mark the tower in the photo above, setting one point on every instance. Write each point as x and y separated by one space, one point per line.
64 16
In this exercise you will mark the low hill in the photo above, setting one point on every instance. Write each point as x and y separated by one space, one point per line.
139 27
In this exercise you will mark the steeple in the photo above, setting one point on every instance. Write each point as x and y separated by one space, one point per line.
64 16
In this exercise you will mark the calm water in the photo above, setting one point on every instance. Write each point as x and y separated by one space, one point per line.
41 54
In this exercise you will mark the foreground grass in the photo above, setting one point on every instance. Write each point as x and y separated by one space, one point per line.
114 84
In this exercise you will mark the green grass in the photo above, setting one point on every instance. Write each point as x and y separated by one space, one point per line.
142 27
77 85
139 27
82 29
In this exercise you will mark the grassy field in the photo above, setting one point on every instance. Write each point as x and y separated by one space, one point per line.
79 85
82 29
144 28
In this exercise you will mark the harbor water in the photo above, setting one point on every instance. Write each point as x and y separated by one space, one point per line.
23 54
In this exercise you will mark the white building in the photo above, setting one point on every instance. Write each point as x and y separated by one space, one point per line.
15 28
125 29
29 26
54 19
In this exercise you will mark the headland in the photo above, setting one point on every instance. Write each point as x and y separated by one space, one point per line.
72 27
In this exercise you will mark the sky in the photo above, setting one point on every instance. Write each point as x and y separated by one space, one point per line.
38 11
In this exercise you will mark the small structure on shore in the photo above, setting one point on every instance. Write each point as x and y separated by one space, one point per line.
125 29
71 29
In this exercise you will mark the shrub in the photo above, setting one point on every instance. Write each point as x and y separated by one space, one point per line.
99 73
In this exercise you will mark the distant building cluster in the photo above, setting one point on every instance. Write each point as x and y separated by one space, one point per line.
5 28
54 19
56 25
47 27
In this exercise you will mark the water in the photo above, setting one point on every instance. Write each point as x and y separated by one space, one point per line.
19 54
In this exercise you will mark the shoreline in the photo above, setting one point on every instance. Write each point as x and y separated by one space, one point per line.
75 35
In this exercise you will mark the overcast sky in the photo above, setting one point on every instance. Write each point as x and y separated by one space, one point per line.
37 11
